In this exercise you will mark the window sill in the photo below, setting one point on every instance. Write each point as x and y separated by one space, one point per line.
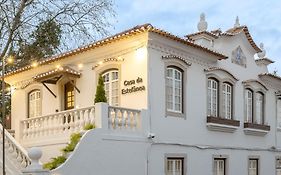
175 114
256 129
222 124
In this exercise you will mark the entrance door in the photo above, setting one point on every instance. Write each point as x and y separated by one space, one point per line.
68 96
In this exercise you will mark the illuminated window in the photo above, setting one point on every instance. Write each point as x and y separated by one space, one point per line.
34 103
174 90
111 87
69 96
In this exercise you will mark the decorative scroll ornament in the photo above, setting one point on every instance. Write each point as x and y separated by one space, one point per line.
263 51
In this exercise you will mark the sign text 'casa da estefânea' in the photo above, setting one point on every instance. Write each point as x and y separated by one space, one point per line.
132 86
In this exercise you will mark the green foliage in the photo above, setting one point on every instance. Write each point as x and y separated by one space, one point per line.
57 161
89 126
45 41
74 139
100 92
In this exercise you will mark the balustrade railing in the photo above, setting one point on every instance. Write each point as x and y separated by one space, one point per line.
124 119
16 152
59 123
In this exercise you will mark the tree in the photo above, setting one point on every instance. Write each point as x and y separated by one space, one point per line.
35 29
24 22
100 92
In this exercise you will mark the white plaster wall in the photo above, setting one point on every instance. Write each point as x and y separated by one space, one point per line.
98 153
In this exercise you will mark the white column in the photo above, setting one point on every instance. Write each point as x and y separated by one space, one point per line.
101 115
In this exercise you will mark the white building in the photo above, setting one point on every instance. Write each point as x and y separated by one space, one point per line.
201 104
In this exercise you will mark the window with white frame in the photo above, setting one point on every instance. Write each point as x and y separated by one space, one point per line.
175 166
278 166
259 108
219 166
249 105
227 100
279 112
34 103
111 87
253 166
213 89
174 89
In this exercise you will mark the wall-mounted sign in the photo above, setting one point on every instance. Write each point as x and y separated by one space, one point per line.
133 86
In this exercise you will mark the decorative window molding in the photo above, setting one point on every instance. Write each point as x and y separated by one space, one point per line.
220 164
223 117
218 70
175 163
255 118
176 58
180 66
238 57
108 60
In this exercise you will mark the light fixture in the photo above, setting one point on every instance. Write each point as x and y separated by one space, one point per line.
10 59
34 64
140 53
58 66
80 66
101 62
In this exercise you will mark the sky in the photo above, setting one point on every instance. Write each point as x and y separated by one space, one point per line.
180 17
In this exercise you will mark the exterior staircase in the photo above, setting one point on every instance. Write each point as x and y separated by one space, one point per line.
15 155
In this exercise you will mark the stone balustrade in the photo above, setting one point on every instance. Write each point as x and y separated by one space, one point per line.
61 123
14 151
57 128
124 119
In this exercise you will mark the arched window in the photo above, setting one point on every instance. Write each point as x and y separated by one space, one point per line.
249 105
34 103
174 89
227 100
111 86
259 108
213 89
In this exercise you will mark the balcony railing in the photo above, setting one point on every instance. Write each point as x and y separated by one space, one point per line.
58 124
58 127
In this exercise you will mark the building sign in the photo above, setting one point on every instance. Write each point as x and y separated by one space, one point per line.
132 86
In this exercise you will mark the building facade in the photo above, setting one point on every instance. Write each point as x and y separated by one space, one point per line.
201 104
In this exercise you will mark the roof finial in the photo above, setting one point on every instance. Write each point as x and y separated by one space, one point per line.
202 24
237 24
263 51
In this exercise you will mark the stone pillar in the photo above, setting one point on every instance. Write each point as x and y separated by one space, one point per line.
35 168
101 115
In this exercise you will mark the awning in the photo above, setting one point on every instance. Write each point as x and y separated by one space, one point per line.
54 75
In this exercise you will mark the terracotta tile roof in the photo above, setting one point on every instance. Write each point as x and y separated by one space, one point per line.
64 69
212 34
222 69
237 30
125 34
264 59
271 75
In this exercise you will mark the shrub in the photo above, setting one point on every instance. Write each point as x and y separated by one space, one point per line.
89 126
55 162
100 92
74 139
